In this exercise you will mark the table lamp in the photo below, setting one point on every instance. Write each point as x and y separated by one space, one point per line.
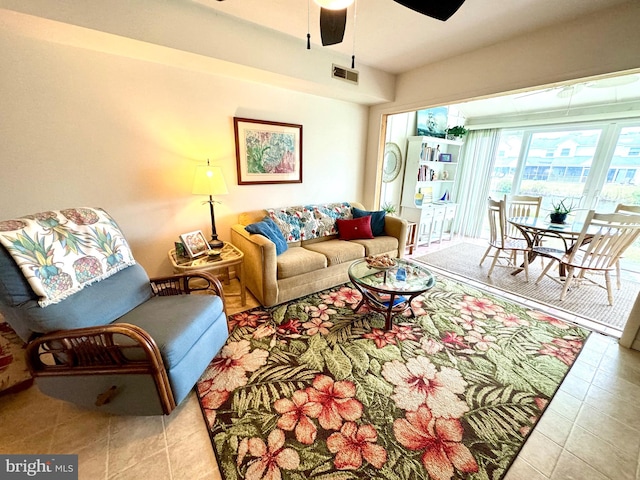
208 180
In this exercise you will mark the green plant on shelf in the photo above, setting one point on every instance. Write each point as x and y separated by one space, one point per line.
457 131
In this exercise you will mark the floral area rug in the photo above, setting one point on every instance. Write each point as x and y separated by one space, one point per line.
14 374
310 389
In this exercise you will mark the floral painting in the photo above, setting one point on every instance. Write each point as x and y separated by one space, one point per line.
268 152
310 389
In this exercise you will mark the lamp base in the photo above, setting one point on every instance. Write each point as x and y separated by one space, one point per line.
215 244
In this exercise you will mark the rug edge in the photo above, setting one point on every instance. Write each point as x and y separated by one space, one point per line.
486 287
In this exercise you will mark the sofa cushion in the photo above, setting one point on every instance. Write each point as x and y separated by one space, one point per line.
378 245
175 322
377 220
355 228
338 251
299 260
269 229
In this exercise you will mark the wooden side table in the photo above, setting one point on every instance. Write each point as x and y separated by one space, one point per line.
230 256
412 229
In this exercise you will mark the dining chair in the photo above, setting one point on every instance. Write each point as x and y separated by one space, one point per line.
520 206
632 210
506 248
603 239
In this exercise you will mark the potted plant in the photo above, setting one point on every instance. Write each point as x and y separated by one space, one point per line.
560 211
456 132
389 208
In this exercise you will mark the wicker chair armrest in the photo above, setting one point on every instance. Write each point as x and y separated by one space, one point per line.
186 283
106 347
117 348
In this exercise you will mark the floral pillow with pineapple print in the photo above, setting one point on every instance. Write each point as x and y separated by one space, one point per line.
60 252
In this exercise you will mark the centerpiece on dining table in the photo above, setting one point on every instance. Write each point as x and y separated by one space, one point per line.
560 211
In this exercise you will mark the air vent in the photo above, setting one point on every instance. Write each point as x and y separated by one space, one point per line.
346 74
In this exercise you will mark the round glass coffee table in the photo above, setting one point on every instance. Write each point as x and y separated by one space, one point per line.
390 290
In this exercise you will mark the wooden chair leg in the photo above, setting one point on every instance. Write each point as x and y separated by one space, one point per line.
546 269
567 282
485 254
493 263
618 285
526 266
607 280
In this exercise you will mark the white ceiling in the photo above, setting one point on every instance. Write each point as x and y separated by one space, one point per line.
620 92
395 39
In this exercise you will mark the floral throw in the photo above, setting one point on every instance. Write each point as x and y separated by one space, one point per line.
311 389
60 252
306 222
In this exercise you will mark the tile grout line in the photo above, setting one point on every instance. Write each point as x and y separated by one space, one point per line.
166 447
108 447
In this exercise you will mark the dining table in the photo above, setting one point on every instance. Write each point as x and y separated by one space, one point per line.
536 229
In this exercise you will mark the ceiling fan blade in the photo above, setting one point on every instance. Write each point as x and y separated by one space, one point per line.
440 10
332 25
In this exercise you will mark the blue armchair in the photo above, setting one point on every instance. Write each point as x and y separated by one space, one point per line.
125 344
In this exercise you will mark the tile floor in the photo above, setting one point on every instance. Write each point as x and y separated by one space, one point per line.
591 429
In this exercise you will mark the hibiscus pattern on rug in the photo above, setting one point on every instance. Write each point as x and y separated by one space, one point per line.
310 389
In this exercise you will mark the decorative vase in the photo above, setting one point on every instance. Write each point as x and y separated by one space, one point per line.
558 217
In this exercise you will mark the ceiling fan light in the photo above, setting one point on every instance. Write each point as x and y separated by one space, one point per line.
334 4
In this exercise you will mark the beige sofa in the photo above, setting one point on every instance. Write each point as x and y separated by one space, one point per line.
307 266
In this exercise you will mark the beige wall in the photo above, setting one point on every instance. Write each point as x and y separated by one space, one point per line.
606 42
82 127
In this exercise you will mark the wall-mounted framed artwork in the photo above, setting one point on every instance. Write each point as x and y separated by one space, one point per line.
195 243
267 152
432 122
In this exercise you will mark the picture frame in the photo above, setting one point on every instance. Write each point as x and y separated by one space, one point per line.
445 157
195 243
267 152
432 122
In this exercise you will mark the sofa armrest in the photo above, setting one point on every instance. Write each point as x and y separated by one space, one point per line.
397 227
260 265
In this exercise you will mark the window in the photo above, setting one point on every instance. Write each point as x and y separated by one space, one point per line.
597 166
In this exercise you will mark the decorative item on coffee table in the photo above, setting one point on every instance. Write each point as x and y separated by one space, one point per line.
388 285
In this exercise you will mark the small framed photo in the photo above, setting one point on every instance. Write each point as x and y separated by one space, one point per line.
195 243
445 157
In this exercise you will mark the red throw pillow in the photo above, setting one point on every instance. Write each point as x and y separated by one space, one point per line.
354 229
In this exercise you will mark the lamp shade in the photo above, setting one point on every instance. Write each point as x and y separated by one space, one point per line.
208 180
334 4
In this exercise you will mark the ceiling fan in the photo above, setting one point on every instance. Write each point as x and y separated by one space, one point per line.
333 14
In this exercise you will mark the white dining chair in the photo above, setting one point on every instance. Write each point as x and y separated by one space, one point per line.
632 210
506 248
603 239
